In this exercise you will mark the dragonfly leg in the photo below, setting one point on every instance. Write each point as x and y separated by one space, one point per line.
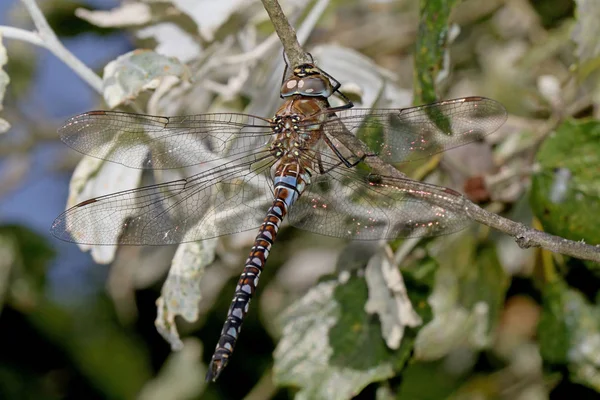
336 86
284 72
340 156
322 169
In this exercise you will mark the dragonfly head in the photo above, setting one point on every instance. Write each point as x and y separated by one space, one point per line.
307 80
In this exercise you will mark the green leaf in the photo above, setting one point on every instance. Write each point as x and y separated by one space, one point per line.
89 336
466 300
565 190
331 348
428 381
431 44
569 333
23 259
102 351
552 330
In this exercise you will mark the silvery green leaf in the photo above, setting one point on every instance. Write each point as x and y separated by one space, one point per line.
361 76
569 333
4 125
209 15
452 328
466 301
586 30
92 178
388 298
180 293
138 70
330 348
4 80
178 377
128 14
172 41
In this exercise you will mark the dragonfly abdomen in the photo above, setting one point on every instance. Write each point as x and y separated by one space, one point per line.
288 186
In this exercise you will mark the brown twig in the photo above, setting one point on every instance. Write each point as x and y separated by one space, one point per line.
295 53
525 237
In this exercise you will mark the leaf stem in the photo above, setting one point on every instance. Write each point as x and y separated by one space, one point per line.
45 37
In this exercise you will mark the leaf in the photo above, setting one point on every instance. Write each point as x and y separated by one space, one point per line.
366 79
128 14
330 347
209 15
388 298
180 294
178 377
569 333
138 70
586 30
172 41
94 177
88 337
4 80
466 300
552 329
565 189
428 381
584 34
97 346
361 78
24 256
432 39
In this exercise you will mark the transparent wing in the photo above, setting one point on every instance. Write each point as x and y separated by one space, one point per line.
173 142
412 133
226 199
345 202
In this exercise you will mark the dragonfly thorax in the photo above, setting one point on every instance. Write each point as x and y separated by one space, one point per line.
292 136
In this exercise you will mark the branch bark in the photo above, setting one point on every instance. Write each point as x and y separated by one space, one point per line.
525 236
295 53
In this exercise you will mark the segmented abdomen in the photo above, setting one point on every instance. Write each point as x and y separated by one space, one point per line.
288 184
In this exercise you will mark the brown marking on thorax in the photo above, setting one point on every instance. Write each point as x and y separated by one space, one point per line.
297 126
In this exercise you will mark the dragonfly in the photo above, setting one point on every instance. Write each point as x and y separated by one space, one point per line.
294 159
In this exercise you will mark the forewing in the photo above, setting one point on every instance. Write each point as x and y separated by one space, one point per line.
408 134
164 142
346 203
229 198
